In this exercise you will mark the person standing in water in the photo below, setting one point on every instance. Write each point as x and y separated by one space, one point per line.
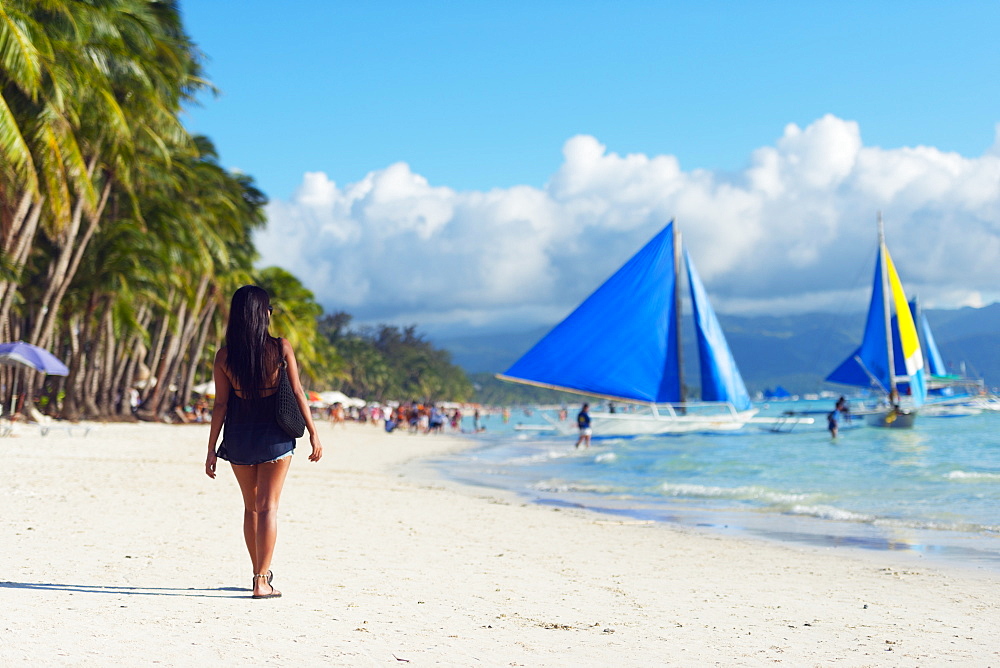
583 423
832 422
260 452
840 410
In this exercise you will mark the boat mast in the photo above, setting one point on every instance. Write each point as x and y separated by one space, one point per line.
921 334
893 395
677 310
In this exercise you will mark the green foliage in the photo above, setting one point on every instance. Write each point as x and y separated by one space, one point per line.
387 362
130 237
141 234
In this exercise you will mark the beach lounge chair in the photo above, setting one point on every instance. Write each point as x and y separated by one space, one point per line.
47 424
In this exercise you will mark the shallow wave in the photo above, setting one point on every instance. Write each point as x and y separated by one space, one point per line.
751 493
606 457
841 515
564 487
961 527
831 513
536 458
972 475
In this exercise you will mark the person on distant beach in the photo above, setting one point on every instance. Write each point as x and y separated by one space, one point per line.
337 414
246 382
583 423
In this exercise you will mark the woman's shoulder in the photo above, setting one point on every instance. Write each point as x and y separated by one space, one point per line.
221 355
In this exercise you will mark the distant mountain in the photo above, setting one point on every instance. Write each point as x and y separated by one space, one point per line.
796 352
490 353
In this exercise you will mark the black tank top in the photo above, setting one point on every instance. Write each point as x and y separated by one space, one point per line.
252 411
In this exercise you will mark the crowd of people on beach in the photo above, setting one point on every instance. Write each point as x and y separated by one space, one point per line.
413 416
422 418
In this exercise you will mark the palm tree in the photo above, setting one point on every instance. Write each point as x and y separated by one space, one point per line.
138 68
121 237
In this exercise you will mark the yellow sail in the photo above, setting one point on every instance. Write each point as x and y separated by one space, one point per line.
908 337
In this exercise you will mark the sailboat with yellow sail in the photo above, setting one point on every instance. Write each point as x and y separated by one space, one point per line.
889 360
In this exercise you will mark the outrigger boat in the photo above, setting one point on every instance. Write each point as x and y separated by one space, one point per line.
948 394
623 344
889 359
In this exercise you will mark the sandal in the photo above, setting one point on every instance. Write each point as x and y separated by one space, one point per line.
273 594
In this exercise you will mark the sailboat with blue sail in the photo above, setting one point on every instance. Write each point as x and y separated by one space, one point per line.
933 362
889 360
623 344
948 394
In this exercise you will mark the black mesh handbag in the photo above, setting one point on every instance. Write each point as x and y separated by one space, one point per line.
286 408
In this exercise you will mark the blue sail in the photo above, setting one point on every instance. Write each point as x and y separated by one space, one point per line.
619 342
868 365
935 364
720 379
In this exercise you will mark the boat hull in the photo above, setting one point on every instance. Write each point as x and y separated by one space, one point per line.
648 425
892 419
949 410
988 403
625 425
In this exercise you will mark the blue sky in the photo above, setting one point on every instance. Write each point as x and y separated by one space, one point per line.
475 98
482 95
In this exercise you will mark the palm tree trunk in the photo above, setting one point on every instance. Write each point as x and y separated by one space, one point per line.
71 404
198 349
11 231
56 272
18 255
161 391
133 355
163 327
105 392
188 354
67 266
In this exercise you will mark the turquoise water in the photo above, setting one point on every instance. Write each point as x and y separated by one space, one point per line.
933 490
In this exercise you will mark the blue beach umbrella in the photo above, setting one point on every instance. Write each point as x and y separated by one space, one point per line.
25 354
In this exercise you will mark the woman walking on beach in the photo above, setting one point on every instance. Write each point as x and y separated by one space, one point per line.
246 381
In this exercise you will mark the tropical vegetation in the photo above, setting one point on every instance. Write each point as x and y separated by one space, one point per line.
121 236
388 362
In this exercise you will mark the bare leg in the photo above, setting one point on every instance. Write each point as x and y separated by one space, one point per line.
270 480
246 476
261 486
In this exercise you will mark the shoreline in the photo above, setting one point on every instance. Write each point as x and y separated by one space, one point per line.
119 546
910 547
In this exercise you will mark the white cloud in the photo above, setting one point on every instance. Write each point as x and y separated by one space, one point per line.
794 231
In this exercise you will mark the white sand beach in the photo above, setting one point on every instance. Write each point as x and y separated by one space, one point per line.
118 550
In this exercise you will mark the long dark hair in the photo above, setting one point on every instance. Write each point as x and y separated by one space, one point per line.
252 353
